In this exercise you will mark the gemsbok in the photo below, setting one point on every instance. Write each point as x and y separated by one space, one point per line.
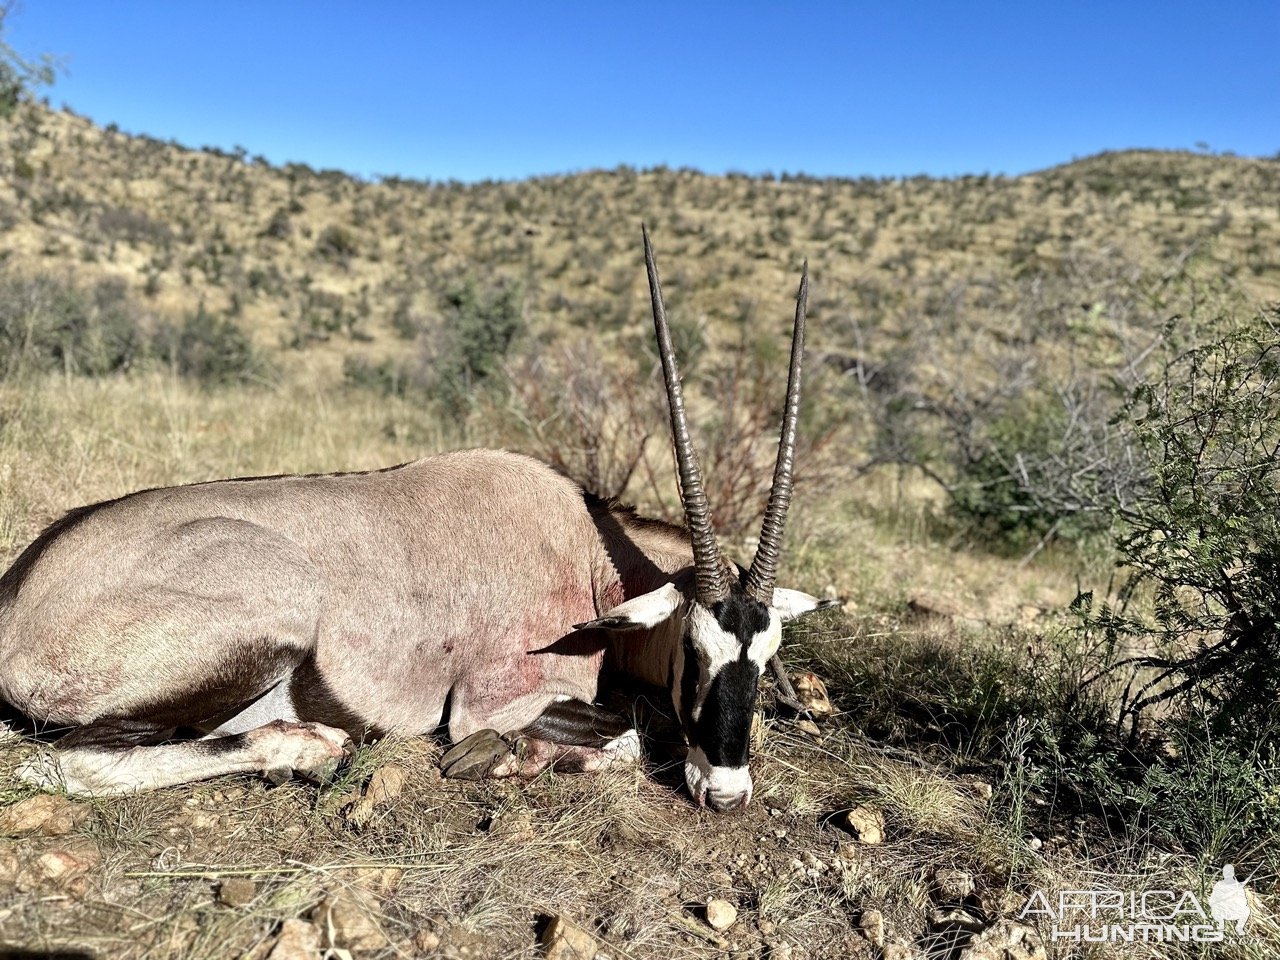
258 625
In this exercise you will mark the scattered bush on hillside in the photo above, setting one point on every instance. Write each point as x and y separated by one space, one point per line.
49 324
1021 435
591 417
478 327
337 243
211 349
461 350
604 422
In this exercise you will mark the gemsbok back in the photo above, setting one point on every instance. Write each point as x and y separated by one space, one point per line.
271 620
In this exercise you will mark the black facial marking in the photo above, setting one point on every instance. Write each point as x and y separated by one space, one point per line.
741 616
723 729
689 684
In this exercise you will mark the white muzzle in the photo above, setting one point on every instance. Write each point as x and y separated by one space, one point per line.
721 788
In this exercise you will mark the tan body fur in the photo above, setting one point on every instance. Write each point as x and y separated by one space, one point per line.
374 599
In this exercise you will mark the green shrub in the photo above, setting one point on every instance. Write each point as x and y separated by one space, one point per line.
1009 485
387 377
479 328
210 349
336 243
47 323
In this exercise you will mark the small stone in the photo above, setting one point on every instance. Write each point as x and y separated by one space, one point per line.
780 834
237 891
63 866
781 951
872 926
866 824
298 940
385 785
563 940
809 727
812 694
203 821
898 951
721 915
47 814
952 885
813 862
767 927
953 918
1005 940
1035 843
425 941
347 917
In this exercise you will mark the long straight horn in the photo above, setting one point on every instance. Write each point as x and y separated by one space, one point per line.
764 568
710 586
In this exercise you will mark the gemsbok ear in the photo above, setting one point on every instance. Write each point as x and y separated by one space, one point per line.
791 604
642 612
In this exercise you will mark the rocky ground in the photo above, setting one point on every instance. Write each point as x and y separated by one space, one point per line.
848 851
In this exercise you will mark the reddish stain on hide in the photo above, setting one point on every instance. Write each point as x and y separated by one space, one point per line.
612 595
571 601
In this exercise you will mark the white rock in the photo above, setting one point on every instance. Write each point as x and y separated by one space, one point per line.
872 926
866 824
564 940
721 914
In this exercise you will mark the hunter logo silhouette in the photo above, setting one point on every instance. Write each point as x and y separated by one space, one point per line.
1227 900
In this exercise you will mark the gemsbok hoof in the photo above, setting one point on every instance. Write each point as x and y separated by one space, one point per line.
476 756
311 751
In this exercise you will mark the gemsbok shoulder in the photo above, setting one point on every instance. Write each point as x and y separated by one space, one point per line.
258 625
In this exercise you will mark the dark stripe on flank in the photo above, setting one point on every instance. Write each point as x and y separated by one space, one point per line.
576 723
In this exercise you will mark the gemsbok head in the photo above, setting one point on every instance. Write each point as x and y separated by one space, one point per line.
729 619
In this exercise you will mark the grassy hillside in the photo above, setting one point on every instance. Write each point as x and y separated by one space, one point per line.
971 462
296 254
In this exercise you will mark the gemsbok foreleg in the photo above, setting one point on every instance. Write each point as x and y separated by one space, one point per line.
111 759
570 736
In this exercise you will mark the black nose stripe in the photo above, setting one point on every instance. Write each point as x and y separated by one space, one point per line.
723 729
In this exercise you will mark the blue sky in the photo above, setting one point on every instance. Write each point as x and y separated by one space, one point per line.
482 89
